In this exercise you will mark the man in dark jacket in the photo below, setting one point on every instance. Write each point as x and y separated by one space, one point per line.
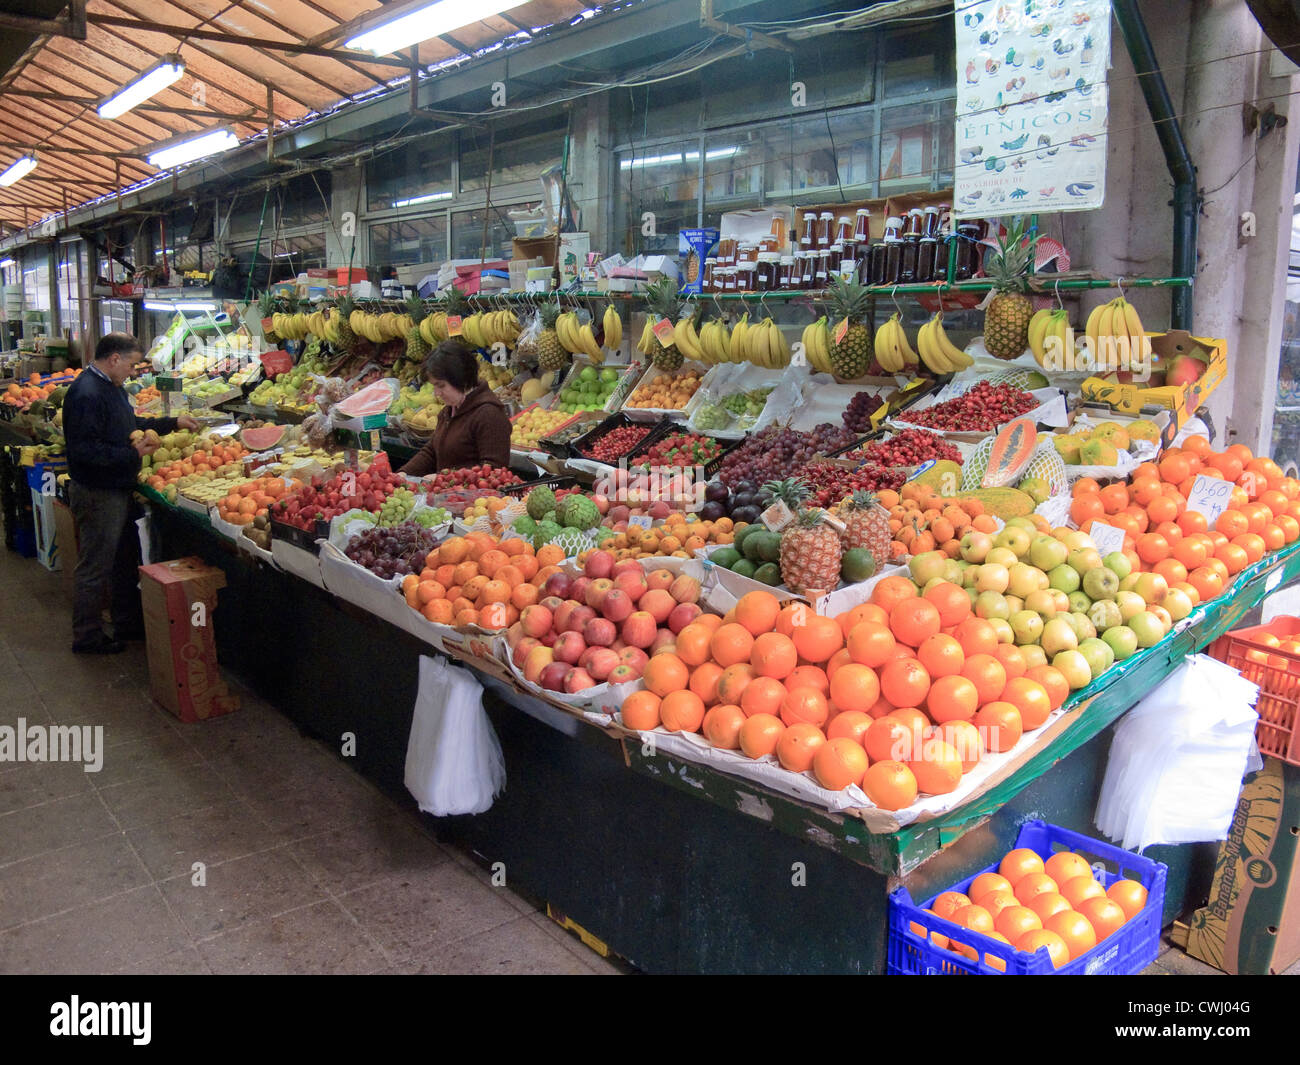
103 463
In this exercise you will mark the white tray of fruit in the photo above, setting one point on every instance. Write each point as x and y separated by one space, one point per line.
664 393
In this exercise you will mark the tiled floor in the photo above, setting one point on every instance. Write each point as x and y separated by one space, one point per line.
305 867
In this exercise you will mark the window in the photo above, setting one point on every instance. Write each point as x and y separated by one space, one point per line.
422 172
658 194
467 233
71 296
516 156
36 281
296 254
910 146
116 316
412 240
917 63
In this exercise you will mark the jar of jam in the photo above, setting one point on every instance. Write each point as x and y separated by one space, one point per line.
808 238
767 271
843 229
941 250
862 226
925 259
967 251
727 251
785 275
821 277
809 269
849 260
914 224
729 279
907 261
710 264
747 277
873 269
893 228
824 226
834 259
746 253
892 268
932 224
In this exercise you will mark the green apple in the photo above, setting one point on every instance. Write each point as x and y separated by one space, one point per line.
1101 583
1118 563
1129 583
1152 588
1015 537
1058 635
1002 556
1122 640
1046 552
1079 601
1147 628
933 582
1104 614
991 604
993 578
1023 579
1084 559
1041 602
1178 603
926 566
1062 600
971 594
975 546
1082 625
1064 579
1078 540
1033 655
1074 667
1027 626
1098 655
1003 628
970 576
1129 603
1162 615
953 570
1014 603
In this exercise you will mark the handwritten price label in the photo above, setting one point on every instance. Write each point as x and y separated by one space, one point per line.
777 516
841 330
663 330
1106 537
641 521
453 325
1210 496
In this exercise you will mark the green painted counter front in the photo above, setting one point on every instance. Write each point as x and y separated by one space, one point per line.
675 867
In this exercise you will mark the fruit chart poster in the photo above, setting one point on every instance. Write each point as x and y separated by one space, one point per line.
1031 105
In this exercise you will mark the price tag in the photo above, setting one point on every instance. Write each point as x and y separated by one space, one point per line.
921 468
777 516
834 522
663 331
276 362
841 330
641 521
1210 496
1106 537
453 325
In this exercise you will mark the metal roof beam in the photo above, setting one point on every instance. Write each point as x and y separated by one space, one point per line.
94 101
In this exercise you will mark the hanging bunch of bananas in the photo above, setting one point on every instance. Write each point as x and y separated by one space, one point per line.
380 328
761 343
433 328
938 352
578 338
292 326
1106 325
483 329
1050 339
687 337
817 345
715 342
893 351
612 325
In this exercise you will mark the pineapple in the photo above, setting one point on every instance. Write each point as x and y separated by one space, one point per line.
663 301
347 338
852 356
551 355
417 348
866 524
1006 320
266 304
810 549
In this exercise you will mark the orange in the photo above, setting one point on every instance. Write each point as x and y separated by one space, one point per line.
1171 531
1173 571
1053 682
1019 863
1047 903
1030 698
839 762
693 644
757 611
871 644
1082 888
704 680
1066 865
951 601
1015 921
1074 930
1233 556
1145 490
997 901
890 591
818 638
550 555
839 658
733 681
666 673
1162 509
904 682
1232 523
773 655
1012 660
912 621
494 616
1152 547
1191 553
809 677
974 917
491 561
1190 521
1129 895
1206 581
721 725
1086 508
465 617
762 695
855 687
1175 467
952 698
681 711
936 767
886 738
439 611
801 705
987 674
999 725
798 745
976 637
494 591
641 711
1253 544
1274 537
963 738
1104 914
1085 486
890 785
1030 942
759 735
1033 884
1114 497
850 725
1289 526
987 882
731 644
941 655
948 903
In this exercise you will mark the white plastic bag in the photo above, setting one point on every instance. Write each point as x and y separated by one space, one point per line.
1178 758
454 763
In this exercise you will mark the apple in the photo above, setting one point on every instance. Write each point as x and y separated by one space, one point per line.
631 583
1178 603
659 580
1047 553
622 674
660 509
599 564
601 662
682 615
536 620
1073 666
1117 562
569 647
557 584
1099 655
1061 599
563 617
1015 537
1101 583
992 605
1014 605
1129 583
626 565
992 578
975 546
551 602
599 632
577 680
1078 540
514 634
1130 603
953 570
1104 614
596 592
1033 655
617 605
1082 625
520 654
634 657
1003 628
602 504
1079 602
1058 635
1001 556
665 640
548 638
658 603
578 589
640 629
1152 588
926 566
1122 640
685 589
970 577
1064 579
1041 602
1165 618
552 677
1084 559
1147 628
1027 626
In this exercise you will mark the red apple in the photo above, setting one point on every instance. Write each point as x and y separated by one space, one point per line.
563 614
618 513
634 657
525 644
660 509
553 676
557 584
513 635
665 640
626 565
601 662
578 589
618 645
632 583
657 603
602 503
599 632
617 605
569 647
551 602
1184 371
536 620
577 680
578 618
599 564
640 629
623 675
548 638
596 592
685 589
682 615
661 579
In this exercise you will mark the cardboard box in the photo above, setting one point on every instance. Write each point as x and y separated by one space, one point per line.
350 276
1251 925
755 225
180 599
573 252
65 532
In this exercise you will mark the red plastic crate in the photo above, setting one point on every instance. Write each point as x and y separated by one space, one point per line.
1278 675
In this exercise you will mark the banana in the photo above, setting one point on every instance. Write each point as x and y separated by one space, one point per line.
780 345
613 326
758 353
1037 329
886 348
955 357
1132 323
724 341
809 341
740 339
589 344
909 356
930 352
1093 326
684 336
647 334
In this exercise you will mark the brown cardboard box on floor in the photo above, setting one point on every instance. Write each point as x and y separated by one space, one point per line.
179 599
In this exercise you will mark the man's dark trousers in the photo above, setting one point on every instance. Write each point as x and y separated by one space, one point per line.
107 562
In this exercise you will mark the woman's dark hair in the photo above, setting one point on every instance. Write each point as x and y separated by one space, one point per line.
453 362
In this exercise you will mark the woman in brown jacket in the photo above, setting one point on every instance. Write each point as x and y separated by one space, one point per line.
473 428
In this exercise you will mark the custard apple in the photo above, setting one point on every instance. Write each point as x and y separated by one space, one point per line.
572 541
577 511
540 500
546 532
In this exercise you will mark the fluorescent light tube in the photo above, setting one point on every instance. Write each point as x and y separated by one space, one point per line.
149 305
19 170
422 199
152 305
425 21
6 263
198 147
148 84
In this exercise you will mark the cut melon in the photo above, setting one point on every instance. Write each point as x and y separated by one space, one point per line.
262 439
1013 448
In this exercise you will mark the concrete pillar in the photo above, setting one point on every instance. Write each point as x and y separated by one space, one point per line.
589 166
346 181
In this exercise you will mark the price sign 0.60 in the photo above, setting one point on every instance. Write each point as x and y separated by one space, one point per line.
1106 537
1210 496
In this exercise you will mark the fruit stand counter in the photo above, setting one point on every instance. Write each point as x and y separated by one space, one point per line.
708 873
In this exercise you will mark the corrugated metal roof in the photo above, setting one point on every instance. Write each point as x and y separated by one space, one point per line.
49 91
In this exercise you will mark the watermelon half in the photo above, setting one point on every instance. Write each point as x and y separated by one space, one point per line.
375 398
263 438
1013 448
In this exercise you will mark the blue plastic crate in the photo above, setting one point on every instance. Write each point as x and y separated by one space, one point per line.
1128 951
25 541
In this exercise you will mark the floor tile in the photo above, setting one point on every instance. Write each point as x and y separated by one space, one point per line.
184 962
318 940
24 784
212 834
54 825
164 751
517 948
160 794
335 801
358 855
65 879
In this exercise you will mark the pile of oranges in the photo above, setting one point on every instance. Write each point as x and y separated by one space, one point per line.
478 579
1030 903
246 501
900 696
676 537
921 520
1163 536
23 396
